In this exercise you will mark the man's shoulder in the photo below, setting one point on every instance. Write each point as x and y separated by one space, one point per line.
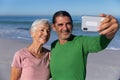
54 43
79 37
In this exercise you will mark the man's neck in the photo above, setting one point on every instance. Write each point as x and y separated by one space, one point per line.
63 41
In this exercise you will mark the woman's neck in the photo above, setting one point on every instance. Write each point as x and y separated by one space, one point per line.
36 49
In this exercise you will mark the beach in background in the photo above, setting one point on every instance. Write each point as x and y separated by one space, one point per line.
14 34
17 27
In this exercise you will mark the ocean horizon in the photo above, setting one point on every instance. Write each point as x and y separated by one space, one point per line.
17 27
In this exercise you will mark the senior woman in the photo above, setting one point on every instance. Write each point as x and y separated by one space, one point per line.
32 62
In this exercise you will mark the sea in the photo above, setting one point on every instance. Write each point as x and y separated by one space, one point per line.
17 27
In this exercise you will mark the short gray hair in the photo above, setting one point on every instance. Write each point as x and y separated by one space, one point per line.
39 21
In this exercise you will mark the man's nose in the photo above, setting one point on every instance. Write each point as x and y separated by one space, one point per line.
65 27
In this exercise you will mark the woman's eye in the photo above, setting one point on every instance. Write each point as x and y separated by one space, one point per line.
41 30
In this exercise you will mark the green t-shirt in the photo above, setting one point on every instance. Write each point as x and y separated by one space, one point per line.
68 61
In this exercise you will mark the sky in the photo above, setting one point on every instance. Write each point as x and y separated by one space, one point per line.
49 7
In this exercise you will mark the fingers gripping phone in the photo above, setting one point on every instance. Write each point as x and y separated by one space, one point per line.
91 23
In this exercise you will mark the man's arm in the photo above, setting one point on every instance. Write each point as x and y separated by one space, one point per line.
109 26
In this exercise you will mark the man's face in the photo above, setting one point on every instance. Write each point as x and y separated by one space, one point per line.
63 27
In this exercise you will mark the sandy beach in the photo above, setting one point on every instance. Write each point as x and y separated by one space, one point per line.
103 66
8 47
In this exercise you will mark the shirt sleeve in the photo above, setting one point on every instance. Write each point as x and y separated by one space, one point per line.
95 44
16 60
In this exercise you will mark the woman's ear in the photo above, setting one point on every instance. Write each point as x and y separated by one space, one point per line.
31 33
53 27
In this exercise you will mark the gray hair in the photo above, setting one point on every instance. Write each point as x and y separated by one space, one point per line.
39 21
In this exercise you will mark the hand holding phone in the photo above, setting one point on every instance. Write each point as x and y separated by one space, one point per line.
91 23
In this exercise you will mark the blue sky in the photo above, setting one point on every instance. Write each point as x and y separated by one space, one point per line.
48 7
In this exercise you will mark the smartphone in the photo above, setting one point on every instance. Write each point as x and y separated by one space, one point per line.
91 23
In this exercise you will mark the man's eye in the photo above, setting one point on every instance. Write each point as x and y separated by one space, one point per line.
60 24
69 23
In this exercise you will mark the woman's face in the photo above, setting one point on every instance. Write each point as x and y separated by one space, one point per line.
41 34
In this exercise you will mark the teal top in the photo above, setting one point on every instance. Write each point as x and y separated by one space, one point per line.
68 61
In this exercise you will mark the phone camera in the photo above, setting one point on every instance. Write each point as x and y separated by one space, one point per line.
85 29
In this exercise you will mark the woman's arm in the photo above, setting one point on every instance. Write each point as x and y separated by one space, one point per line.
15 73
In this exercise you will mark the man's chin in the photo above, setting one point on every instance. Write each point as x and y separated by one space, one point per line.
66 37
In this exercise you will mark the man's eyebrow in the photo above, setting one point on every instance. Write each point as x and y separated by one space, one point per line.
59 24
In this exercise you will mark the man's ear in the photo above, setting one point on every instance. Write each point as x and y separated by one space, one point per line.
53 27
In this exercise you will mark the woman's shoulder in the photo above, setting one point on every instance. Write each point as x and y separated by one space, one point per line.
20 52
47 53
